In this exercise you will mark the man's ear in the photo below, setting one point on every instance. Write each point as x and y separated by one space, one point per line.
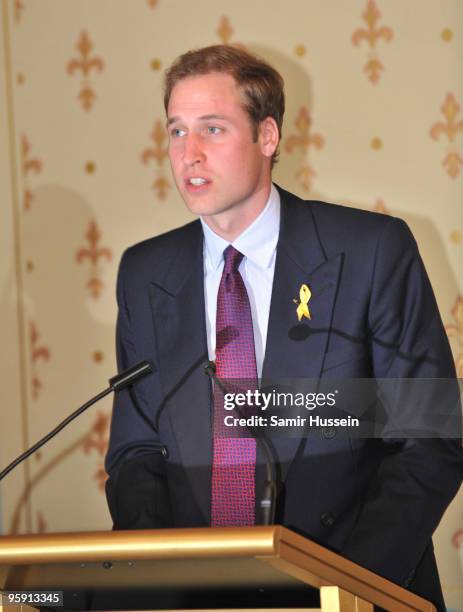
268 136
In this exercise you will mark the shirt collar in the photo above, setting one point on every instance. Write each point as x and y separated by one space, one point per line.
258 241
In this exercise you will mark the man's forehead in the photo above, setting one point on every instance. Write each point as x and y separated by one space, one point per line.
208 96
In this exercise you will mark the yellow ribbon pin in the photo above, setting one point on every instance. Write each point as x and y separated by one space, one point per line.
304 296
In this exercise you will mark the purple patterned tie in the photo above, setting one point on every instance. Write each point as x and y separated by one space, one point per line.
234 459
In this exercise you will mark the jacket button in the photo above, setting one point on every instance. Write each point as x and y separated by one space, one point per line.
328 433
164 452
327 519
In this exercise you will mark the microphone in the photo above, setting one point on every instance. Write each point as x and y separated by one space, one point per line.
116 383
272 483
210 368
129 376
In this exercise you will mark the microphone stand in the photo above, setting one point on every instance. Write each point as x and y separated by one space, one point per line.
116 383
267 503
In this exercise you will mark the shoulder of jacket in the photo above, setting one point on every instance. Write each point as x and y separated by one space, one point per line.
344 224
165 245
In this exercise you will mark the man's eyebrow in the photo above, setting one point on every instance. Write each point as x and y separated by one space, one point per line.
207 117
202 118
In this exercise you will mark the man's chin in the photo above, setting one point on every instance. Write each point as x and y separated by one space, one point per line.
201 206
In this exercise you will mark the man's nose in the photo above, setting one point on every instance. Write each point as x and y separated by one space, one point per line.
193 151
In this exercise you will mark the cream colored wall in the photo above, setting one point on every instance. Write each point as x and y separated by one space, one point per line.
11 432
81 119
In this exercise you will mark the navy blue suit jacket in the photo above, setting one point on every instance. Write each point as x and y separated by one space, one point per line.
373 315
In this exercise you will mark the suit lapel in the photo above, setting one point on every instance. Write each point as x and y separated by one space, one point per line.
297 349
179 319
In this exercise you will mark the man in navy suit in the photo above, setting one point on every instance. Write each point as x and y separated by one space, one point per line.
372 314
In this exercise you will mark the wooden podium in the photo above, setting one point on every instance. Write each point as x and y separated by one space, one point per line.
232 564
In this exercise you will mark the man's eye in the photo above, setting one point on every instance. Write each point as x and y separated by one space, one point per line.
212 129
176 132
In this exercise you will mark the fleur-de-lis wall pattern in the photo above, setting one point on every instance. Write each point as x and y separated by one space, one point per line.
372 34
225 30
93 254
29 165
158 154
304 139
225 33
381 207
452 127
18 9
85 63
38 353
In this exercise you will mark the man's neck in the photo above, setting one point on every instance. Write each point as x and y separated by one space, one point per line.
231 223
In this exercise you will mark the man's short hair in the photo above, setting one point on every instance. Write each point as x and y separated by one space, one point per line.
262 86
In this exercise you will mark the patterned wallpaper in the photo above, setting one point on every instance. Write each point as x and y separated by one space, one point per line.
374 120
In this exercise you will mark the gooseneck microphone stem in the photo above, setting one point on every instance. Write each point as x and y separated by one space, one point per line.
53 433
122 380
267 502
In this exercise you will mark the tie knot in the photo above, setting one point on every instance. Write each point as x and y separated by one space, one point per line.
233 259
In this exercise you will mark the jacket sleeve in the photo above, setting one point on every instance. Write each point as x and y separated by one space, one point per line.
420 474
136 489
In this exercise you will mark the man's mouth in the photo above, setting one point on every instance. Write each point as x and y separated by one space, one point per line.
197 184
196 180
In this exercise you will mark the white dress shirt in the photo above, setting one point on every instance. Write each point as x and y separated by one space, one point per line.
258 244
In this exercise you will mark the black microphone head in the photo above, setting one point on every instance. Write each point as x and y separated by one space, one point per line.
129 376
209 368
